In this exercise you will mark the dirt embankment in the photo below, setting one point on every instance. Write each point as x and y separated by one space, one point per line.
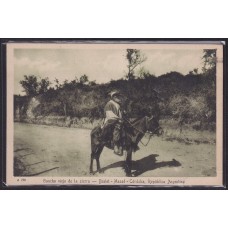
62 121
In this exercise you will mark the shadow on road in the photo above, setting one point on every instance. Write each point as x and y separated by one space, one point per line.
145 164
149 163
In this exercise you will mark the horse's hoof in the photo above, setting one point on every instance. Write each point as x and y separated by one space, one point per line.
129 175
91 173
101 171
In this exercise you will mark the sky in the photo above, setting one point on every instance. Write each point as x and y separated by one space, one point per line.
101 65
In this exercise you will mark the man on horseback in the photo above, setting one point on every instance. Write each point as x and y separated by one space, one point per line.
118 133
114 119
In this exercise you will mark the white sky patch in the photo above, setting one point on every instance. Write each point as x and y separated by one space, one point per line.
101 65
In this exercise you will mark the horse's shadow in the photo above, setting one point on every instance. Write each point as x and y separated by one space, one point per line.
145 164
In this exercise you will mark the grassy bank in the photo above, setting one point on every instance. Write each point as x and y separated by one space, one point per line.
187 133
172 131
62 121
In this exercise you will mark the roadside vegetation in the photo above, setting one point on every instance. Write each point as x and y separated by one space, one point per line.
181 102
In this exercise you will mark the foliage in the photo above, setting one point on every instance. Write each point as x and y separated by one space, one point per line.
187 98
44 85
33 86
30 85
84 79
135 58
209 58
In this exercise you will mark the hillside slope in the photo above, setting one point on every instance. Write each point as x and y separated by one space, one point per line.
183 99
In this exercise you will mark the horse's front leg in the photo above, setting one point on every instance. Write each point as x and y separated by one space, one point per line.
93 156
128 162
98 165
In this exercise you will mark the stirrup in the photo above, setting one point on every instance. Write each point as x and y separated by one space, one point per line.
117 153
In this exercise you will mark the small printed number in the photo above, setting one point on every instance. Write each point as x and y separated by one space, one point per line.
22 179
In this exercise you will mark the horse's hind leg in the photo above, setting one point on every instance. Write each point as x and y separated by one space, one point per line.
91 164
92 157
98 153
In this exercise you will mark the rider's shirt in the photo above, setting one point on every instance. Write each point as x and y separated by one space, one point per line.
112 111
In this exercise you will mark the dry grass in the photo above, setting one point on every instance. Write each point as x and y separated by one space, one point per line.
172 130
187 134
62 121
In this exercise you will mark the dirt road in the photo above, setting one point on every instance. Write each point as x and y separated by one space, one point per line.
54 151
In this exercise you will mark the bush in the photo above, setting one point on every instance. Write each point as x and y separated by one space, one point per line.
186 99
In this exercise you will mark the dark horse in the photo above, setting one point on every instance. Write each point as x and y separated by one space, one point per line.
134 132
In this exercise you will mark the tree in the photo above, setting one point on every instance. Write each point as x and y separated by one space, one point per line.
57 84
135 58
44 85
209 58
209 68
193 72
30 85
62 97
143 73
92 83
84 79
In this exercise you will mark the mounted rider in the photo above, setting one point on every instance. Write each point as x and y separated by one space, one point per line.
114 117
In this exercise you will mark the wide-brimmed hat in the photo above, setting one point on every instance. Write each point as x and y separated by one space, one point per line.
114 92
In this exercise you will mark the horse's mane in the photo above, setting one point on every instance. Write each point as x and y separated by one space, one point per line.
130 129
137 119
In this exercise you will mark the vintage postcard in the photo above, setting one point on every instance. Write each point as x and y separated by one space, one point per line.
115 114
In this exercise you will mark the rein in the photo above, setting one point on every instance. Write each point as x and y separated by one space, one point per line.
134 127
147 141
150 133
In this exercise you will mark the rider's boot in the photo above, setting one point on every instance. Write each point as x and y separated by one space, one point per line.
118 150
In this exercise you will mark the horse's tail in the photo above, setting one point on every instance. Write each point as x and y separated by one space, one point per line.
95 131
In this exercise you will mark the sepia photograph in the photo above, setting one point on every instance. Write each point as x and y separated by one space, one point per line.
115 114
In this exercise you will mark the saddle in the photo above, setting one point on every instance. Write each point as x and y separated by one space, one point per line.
103 137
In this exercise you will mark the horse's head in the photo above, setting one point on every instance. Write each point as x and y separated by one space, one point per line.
152 125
